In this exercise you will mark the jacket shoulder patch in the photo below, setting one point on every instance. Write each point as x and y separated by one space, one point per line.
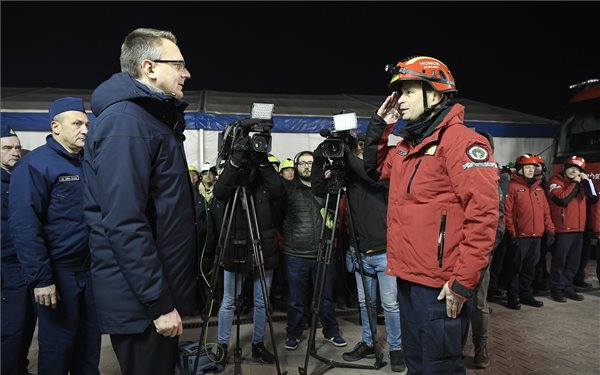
477 152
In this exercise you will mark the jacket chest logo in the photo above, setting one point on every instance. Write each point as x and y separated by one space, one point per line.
68 178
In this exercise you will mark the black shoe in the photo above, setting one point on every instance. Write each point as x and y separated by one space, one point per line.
571 294
481 358
360 351
261 353
513 304
397 361
221 354
529 300
582 284
558 296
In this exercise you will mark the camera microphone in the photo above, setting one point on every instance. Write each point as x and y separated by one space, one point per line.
325 132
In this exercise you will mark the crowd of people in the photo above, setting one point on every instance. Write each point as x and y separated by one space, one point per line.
107 230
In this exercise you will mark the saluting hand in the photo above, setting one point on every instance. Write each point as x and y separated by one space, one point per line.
46 296
454 302
389 109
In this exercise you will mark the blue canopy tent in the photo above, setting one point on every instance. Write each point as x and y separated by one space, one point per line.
297 118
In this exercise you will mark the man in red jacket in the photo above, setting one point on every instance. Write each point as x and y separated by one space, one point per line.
527 218
443 210
567 193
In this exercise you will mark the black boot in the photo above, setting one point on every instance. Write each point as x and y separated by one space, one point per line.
261 353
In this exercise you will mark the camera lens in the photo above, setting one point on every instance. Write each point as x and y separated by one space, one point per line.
260 143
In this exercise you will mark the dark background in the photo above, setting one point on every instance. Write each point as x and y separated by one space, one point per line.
518 55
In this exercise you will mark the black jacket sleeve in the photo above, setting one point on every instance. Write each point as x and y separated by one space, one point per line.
373 138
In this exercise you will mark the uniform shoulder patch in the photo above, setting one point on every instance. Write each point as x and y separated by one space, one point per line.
477 152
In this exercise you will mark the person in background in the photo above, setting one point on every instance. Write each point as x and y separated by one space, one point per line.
527 218
194 176
443 211
286 169
139 205
51 239
18 310
567 193
274 162
542 276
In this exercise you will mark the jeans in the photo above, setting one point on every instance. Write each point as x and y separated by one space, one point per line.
375 264
299 271
227 310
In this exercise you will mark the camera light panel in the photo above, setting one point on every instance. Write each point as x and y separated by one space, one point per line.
262 111
345 121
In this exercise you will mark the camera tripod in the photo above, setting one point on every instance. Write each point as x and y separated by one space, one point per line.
240 258
335 188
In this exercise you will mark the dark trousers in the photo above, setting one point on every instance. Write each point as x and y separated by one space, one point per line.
300 271
497 264
565 260
18 319
145 353
585 256
68 336
432 342
522 277
541 268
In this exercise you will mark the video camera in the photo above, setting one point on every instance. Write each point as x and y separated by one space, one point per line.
344 133
257 129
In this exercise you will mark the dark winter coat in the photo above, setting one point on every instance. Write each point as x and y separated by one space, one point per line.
139 207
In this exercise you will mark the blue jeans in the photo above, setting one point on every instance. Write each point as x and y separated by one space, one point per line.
227 311
299 270
375 264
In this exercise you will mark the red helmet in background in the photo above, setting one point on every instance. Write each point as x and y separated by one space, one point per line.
576 161
527 159
422 68
540 159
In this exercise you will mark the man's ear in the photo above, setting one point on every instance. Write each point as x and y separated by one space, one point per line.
436 98
148 70
55 126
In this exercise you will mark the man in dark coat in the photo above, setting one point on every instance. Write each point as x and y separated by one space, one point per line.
254 172
139 205
51 239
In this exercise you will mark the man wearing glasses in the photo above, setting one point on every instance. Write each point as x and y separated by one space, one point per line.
302 224
139 204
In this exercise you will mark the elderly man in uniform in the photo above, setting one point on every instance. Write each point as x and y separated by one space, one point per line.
51 238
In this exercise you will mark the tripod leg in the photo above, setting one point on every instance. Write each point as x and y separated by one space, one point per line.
259 262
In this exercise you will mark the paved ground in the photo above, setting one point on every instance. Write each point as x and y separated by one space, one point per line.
559 338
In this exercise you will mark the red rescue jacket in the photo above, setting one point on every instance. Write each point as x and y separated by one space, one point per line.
567 204
443 206
526 210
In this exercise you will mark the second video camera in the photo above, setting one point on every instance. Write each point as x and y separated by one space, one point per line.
344 133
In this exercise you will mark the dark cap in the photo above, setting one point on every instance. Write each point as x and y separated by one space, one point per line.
65 104
7 132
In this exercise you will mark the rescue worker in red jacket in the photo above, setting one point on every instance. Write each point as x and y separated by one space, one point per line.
443 210
527 218
567 193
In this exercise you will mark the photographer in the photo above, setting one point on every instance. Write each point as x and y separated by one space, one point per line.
254 171
367 201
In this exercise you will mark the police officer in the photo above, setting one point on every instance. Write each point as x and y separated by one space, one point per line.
51 239
443 210
18 313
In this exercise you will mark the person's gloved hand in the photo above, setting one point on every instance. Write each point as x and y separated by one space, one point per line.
549 238
513 241
240 156
259 159
594 240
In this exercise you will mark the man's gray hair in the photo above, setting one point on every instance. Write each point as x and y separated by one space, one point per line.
142 44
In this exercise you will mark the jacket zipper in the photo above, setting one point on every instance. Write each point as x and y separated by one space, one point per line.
562 215
441 239
413 175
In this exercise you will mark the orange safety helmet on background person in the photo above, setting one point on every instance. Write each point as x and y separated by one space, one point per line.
422 68
576 161
527 159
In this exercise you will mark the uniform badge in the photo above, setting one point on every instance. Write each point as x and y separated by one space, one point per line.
402 152
478 153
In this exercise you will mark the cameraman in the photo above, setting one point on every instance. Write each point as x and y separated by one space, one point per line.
368 206
253 170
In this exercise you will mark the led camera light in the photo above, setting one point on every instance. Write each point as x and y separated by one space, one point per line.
345 121
262 111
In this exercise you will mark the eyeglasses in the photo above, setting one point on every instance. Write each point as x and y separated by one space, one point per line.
179 64
305 163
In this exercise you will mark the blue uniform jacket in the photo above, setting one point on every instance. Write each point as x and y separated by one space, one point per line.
7 248
139 206
46 213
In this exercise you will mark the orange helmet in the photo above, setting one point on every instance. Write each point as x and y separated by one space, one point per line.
527 159
422 68
540 159
576 161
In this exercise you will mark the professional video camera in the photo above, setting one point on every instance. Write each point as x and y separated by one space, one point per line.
344 133
257 129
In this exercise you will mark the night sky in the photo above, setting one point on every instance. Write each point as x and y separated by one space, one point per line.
521 56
